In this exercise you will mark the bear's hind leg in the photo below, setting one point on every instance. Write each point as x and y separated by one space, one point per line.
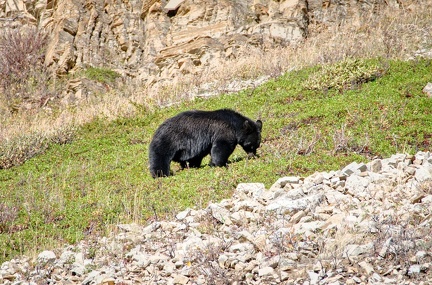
160 167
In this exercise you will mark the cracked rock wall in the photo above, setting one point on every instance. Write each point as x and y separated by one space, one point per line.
142 39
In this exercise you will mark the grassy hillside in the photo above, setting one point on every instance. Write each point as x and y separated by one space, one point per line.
371 108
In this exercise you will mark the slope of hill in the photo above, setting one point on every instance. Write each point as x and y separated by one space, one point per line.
73 147
365 224
76 190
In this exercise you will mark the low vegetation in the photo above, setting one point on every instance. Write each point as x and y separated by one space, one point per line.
23 76
345 74
103 75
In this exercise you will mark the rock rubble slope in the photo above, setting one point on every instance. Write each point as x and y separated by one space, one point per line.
365 224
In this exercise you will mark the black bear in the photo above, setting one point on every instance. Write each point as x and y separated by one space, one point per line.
188 137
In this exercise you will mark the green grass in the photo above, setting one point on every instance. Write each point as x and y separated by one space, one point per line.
102 178
102 75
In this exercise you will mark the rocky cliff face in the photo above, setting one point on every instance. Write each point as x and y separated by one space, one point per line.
145 40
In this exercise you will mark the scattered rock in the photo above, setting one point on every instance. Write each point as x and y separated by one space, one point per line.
367 267
356 250
414 269
374 229
428 90
46 257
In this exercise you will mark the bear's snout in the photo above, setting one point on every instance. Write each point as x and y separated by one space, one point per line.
252 154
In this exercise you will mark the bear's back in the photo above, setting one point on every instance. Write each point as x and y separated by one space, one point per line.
223 117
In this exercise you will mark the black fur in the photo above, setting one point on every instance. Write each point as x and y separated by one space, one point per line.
188 137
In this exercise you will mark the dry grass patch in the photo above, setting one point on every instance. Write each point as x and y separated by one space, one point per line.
23 76
21 148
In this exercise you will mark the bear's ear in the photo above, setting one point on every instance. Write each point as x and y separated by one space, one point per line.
246 126
259 124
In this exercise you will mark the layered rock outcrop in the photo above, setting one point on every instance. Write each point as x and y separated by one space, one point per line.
364 224
143 39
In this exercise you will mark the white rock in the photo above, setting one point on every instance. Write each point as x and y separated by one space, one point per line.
242 247
428 90
376 278
138 255
420 255
297 216
282 182
304 227
414 269
385 247
92 277
354 168
46 257
130 227
356 185
422 174
78 269
222 259
313 277
191 243
266 272
367 267
284 205
356 250
152 228
180 279
251 189
375 165
183 214
67 257
316 178
336 198
250 205
219 213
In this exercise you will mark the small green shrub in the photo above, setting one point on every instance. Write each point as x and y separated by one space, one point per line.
103 75
344 75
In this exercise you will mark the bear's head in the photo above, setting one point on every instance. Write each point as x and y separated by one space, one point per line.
251 137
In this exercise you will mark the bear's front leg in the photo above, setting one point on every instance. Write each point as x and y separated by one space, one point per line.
195 162
220 152
183 164
191 163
